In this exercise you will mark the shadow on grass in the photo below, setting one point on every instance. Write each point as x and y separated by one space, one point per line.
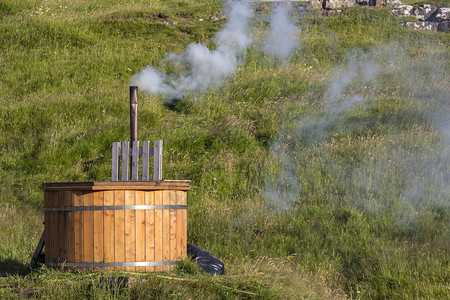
13 267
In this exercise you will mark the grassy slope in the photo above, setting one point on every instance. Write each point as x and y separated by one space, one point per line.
64 70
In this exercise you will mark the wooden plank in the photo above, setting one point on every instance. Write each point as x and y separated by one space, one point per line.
145 160
183 201
158 230
62 228
105 185
70 237
78 223
47 223
130 230
166 229
149 230
119 229
115 161
180 241
55 228
125 160
173 226
108 227
135 161
157 160
140 230
88 229
98 197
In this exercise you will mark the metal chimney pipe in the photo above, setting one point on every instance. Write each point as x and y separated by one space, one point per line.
134 105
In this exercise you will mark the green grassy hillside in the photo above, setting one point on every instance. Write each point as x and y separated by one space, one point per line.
322 176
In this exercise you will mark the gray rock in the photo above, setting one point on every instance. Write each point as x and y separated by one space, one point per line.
335 4
423 12
330 13
441 14
444 26
314 4
393 3
421 25
375 2
402 10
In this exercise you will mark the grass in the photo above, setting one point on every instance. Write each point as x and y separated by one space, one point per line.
299 193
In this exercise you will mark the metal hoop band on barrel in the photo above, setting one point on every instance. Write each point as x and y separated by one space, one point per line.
123 207
114 264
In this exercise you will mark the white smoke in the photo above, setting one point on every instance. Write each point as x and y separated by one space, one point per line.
395 173
201 67
284 36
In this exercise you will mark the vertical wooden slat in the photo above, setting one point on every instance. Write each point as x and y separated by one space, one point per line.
158 230
135 161
119 228
140 230
88 229
61 228
183 233
130 229
48 226
150 229
70 229
78 223
166 230
115 161
55 224
145 160
125 160
108 228
98 197
173 226
157 160
179 228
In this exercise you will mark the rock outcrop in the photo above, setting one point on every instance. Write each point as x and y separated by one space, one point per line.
430 17
336 4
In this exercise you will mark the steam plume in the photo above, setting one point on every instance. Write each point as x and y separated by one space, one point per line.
200 67
284 34
394 173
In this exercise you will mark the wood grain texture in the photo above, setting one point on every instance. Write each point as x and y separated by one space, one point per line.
55 242
150 230
180 227
130 230
145 160
115 167
173 226
70 234
183 232
140 230
158 229
119 229
108 227
135 161
129 235
125 161
166 229
78 224
88 229
183 185
48 224
98 200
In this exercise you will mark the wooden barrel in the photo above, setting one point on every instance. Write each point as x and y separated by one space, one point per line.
131 226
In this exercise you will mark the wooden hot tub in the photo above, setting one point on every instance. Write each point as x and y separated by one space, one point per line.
126 225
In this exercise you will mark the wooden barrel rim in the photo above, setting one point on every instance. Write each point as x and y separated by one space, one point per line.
119 207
